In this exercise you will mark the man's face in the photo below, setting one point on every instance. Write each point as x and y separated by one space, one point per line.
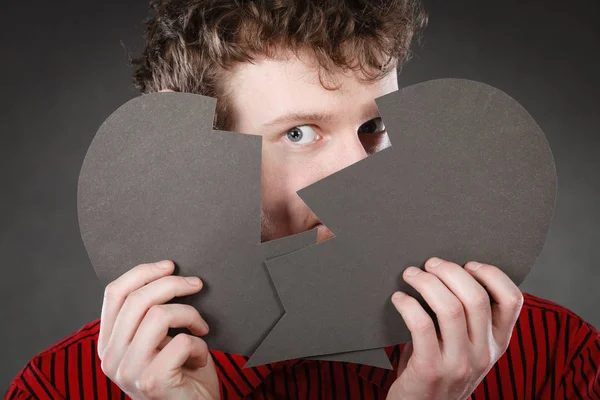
308 132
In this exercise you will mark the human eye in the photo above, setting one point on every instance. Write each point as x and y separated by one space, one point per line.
302 135
374 125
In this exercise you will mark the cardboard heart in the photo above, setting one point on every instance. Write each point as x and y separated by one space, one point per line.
469 176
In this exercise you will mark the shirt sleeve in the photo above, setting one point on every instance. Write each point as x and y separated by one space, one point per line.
31 383
581 378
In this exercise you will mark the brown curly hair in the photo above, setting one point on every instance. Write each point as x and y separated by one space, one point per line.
192 44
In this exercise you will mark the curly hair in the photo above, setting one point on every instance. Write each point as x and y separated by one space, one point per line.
192 44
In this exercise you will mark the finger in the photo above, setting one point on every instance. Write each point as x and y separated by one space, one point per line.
507 299
164 342
448 310
183 349
117 291
154 328
426 346
139 302
165 371
474 298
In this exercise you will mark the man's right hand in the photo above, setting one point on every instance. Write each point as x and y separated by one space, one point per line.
133 345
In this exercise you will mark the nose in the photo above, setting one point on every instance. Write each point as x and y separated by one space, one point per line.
349 151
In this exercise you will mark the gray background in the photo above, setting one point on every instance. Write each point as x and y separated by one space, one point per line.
64 69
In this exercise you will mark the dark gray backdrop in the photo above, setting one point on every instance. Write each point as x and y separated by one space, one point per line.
64 69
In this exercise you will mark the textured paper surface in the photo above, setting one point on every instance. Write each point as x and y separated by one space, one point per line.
158 183
275 248
469 176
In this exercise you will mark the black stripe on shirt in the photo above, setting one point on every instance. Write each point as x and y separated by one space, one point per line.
523 359
218 364
74 336
239 370
108 388
31 392
332 378
346 382
93 355
387 371
319 388
52 361
306 370
511 373
285 381
294 373
224 391
575 389
39 381
553 369
66 372
583 342
595 368
585 378
273 389
486 391
547 342
498 381
361 388
535 355
80 370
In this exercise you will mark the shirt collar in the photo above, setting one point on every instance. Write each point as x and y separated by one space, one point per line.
240 382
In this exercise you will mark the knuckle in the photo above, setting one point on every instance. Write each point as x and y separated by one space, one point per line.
134 297
454 311
184 340
517 299
123 376
462 370
147 384
432 376
425 326
107 364
481 301
203 346
158 312
111 291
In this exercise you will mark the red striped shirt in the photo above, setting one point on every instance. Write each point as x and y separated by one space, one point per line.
553 353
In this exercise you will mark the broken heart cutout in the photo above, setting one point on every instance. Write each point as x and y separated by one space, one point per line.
469 176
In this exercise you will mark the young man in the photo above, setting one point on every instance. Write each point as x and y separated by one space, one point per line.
304 75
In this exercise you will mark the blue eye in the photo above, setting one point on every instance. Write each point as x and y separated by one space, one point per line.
303 134
374 125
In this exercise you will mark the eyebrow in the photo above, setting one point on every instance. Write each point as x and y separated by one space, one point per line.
313 116
300 116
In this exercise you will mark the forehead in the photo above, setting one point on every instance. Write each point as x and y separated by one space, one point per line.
269 87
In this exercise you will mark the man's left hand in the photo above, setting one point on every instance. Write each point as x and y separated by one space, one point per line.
474 333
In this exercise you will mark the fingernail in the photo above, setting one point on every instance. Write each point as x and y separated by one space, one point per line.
434 262
398 295
193 280
164 264
412 271
473 265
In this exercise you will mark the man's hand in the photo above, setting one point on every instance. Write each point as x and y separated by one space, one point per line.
133 345
474 333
